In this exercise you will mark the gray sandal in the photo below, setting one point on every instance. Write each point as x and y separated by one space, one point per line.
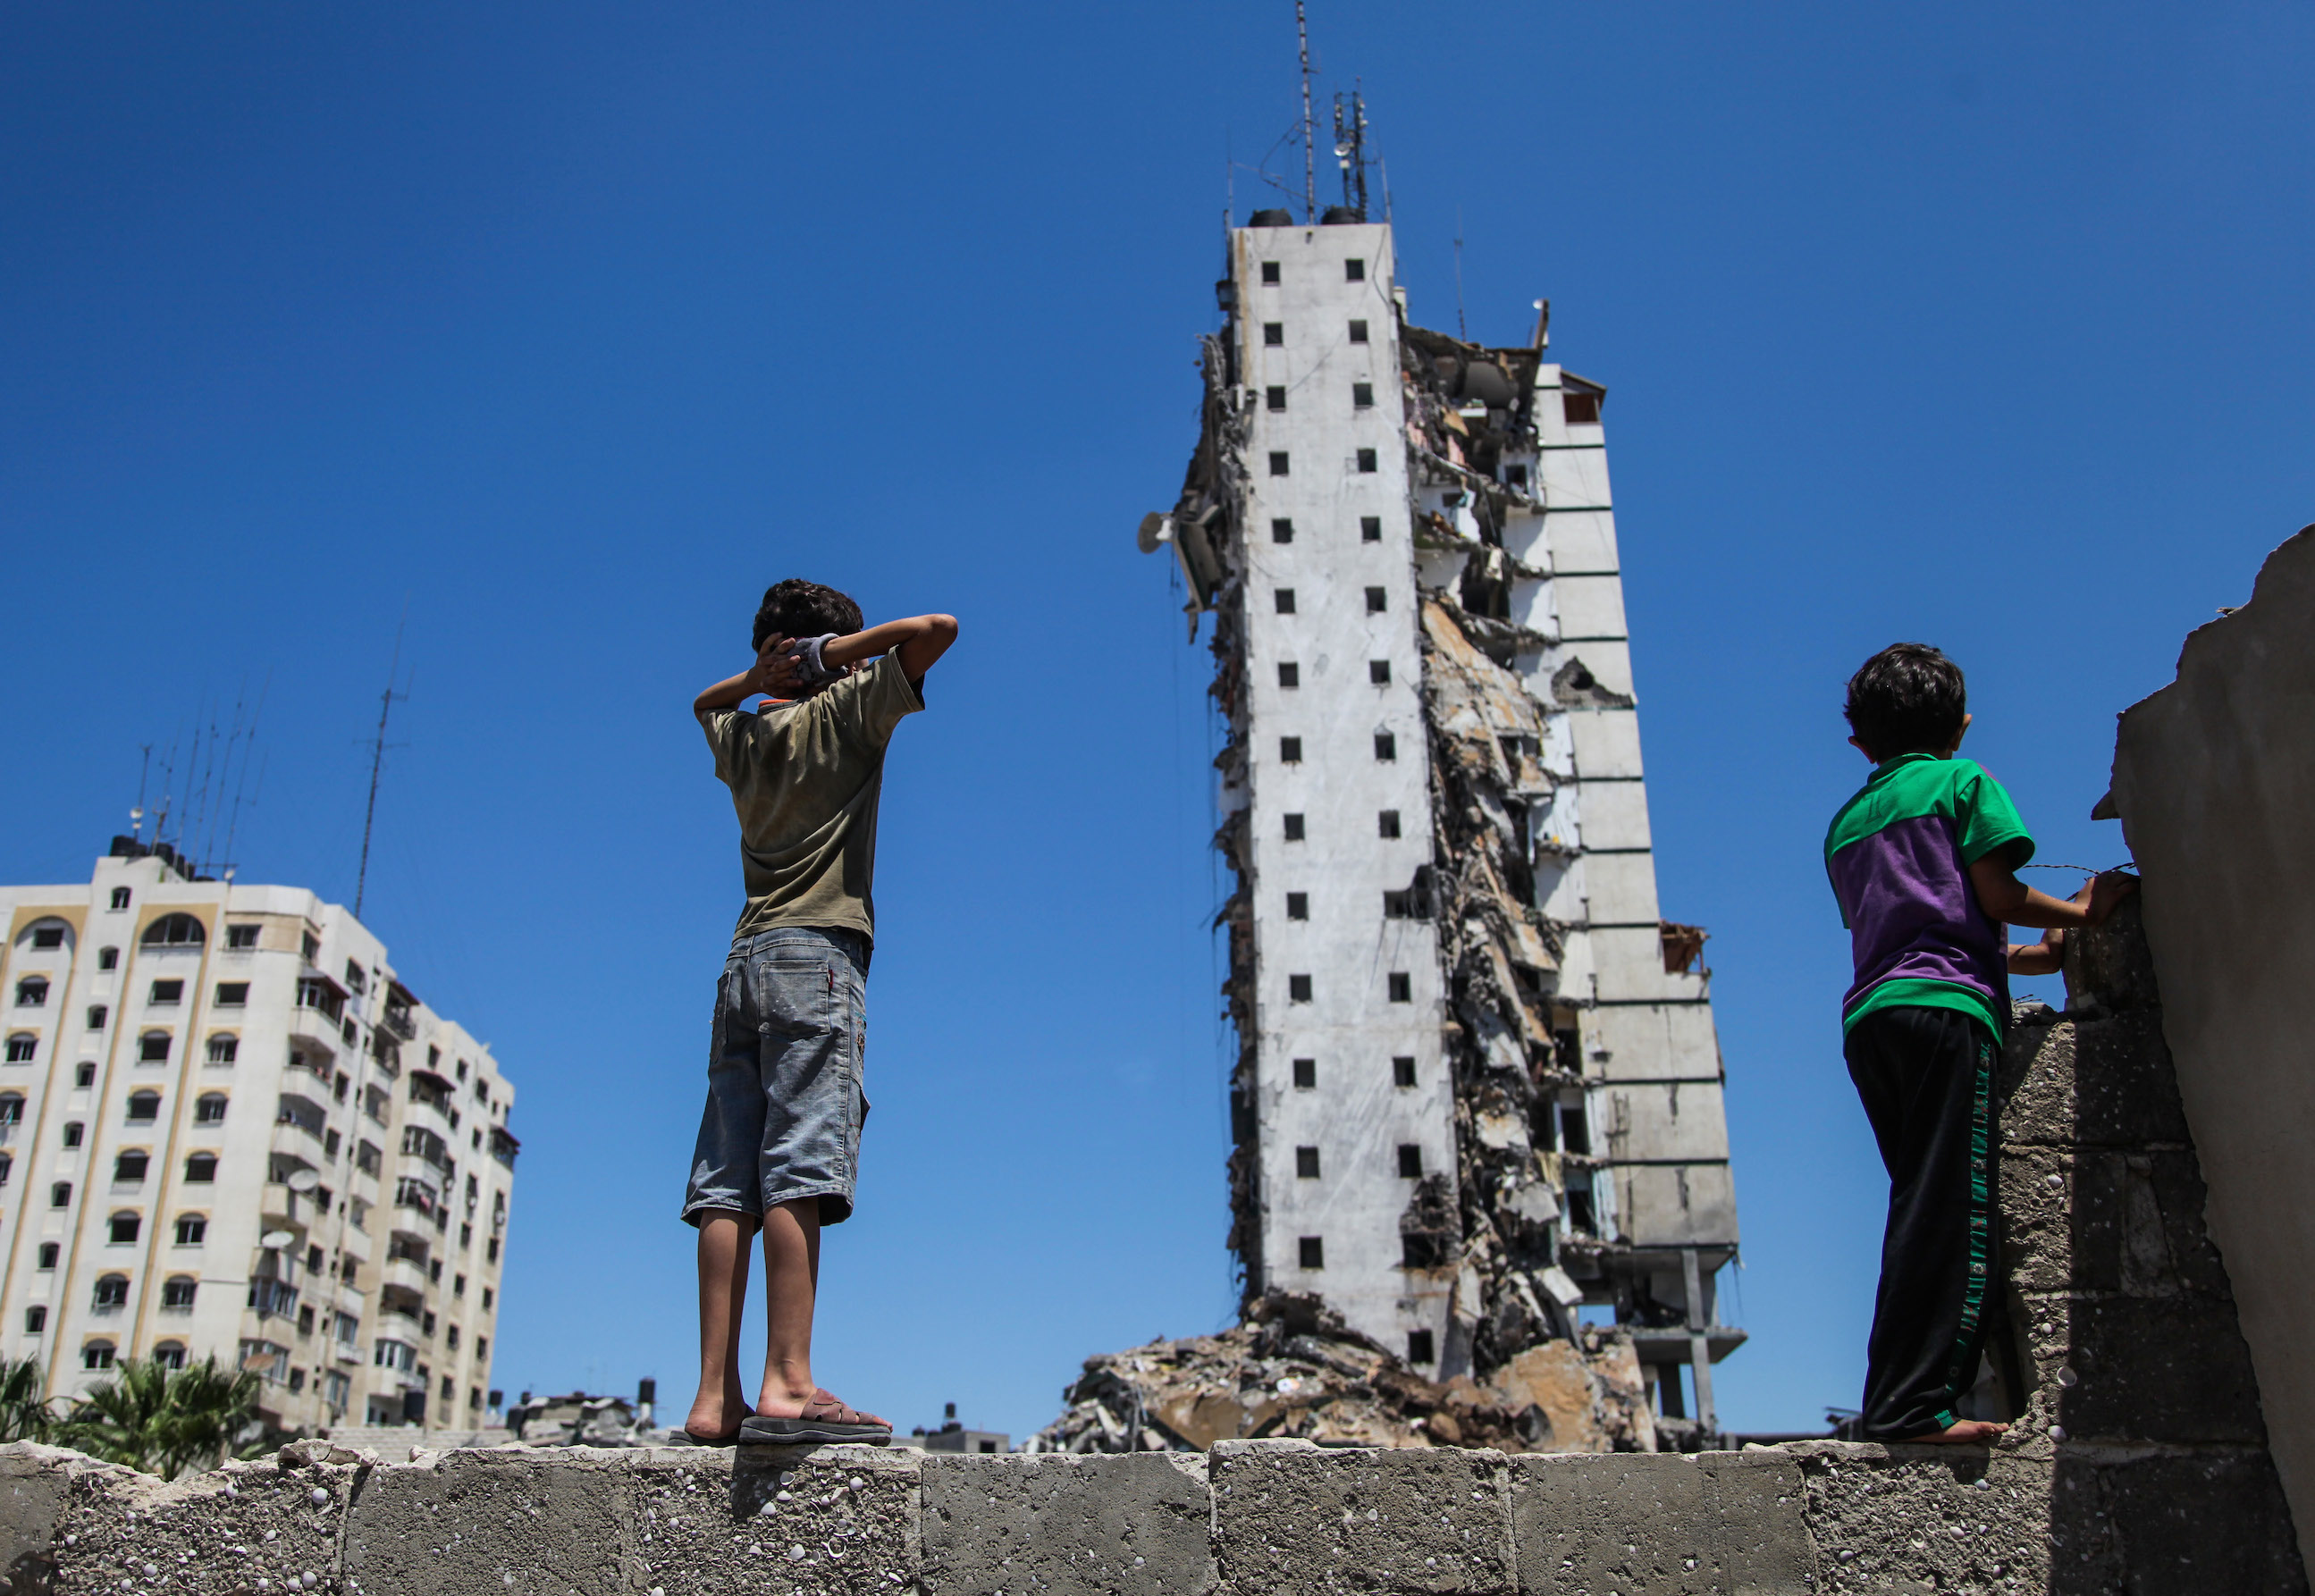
824 1422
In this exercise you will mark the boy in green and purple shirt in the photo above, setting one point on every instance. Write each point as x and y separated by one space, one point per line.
1924 862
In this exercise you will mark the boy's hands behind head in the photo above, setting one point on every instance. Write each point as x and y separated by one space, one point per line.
774 669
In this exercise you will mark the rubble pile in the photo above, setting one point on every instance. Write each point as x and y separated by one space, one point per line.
1293 1369
1488 774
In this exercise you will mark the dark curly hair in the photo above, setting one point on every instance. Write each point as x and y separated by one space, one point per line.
1907 699
798 608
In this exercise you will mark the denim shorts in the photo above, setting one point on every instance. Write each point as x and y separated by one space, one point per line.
785 1104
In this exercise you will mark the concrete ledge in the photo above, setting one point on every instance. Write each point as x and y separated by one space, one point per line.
1278 1518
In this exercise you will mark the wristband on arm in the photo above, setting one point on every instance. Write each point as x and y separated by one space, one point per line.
812 671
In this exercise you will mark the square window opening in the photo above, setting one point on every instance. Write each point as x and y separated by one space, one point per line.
1306 1164
1386 823
1283 598
1278 464
1377 600
1385 747
1273 333
1289 750
1294 828
1402 986
1270 271
1298 990
1379 672
1358 332
1273 398
1306 1074
1370 528
1402 1072
1410 1161
1282 529
1313 1251
1289 674
1366 460
1355 271
1419 1349
1363 395
1298 906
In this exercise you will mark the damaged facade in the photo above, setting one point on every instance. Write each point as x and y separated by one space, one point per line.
1477 1082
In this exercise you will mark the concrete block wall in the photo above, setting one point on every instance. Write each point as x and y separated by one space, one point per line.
1279 1517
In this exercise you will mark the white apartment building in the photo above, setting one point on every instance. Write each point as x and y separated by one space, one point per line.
227 1128
1478 1084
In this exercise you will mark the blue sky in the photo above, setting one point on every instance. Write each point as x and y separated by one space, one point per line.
568 328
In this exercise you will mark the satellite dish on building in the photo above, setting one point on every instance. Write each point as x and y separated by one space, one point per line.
1156 528
304 1180
276 1239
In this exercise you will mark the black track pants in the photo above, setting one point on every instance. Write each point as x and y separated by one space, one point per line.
1925 1077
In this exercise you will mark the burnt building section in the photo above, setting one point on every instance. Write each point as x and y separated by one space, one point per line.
1477 1085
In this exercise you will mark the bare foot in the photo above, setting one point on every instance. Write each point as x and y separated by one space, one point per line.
716 1415
1960 1433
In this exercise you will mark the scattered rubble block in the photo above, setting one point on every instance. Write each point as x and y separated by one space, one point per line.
1295 1370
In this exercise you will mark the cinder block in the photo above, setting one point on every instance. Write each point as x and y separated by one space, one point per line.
1930 1519
2206 1521
1761 1540
33 1482
1133 1525
1613 1522
1292 1518
2093 1082
489 1524
774 1520
2130 1369
264 1527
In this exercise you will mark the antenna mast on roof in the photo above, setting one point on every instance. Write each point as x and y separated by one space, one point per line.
377 760
1351 151
1309 158
1461 331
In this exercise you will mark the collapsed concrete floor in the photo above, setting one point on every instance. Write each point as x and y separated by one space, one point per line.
1294 1370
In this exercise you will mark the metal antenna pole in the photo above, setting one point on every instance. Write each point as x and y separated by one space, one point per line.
377 762
1310 158
1461 331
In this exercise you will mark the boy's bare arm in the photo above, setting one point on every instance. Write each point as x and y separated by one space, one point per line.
2045 957
921 640
2010 902
772 672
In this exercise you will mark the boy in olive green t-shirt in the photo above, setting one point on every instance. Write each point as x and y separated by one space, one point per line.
779 1139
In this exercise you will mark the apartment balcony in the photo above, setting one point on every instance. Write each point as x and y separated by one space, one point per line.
432 1116
407 1275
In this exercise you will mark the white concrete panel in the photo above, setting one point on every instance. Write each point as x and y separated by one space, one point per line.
1656 1120
1621 887
1615 813
1588 606
1583 542
1651 1042
1607 741
1678 1205
1630 962
1610 663
1576 478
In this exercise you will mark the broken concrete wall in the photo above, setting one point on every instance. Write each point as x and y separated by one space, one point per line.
2118 1349
2214 783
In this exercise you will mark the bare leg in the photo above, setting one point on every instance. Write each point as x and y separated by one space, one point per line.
791 1286
720 1406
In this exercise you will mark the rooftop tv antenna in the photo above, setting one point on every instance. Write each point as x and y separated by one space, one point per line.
1462 331
1309 156
1350 150
378 759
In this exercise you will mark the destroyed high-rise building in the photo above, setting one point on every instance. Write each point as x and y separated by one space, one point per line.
1477 1083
